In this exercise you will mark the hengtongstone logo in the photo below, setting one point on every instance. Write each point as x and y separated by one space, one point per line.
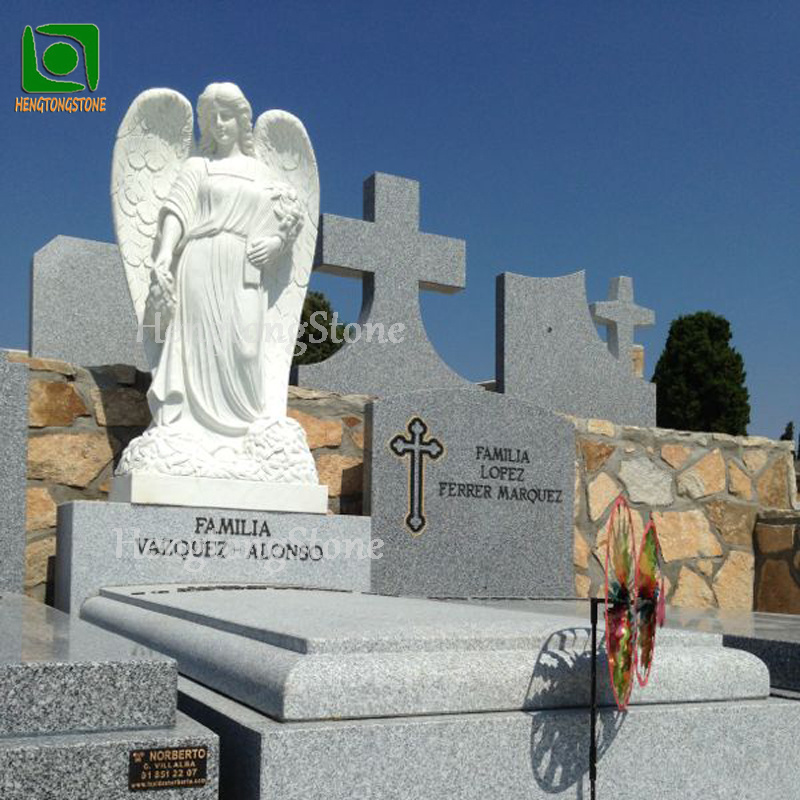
58 73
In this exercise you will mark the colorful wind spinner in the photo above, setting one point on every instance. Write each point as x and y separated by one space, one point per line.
620 597
649 601
634 602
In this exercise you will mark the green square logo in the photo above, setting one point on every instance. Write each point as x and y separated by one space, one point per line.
60 58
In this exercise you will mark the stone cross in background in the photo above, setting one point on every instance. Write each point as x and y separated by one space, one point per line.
548 351
621 316
394 261
13 472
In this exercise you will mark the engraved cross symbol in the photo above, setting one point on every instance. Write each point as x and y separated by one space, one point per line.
417 448
621 316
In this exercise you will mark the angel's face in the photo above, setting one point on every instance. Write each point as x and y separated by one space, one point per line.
224 126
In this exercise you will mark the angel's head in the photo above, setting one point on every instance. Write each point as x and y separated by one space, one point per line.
226 97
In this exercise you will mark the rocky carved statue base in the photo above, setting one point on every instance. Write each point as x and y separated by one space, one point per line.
270 468
273 450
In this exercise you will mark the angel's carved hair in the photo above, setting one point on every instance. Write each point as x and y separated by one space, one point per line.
230 96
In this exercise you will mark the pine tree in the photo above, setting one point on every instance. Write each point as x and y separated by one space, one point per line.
700 378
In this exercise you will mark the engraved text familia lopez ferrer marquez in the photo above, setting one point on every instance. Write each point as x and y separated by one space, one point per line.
502 474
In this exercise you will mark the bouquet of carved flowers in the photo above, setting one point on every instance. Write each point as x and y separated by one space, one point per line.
161 297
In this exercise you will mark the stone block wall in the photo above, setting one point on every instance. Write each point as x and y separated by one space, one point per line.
777 585
334 426
705 492
80 420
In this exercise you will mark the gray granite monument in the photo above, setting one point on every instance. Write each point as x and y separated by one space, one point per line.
81 310
111 544
548 351
392 352
90 715
13 472
334 695
471 494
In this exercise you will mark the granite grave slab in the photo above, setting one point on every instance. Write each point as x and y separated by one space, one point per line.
91 715
111 683
471 493
81 309
774 638
688 750
108 544
297 654
394 261
327 694
13 472
102 766
548 351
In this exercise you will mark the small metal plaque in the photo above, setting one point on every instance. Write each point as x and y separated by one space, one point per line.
167 768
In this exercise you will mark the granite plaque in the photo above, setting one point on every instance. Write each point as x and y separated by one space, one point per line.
168 768
471 495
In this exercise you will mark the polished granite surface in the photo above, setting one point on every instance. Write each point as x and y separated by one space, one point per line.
34 632
62 675
756 625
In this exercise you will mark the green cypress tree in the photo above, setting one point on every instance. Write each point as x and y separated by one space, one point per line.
700 378
313 345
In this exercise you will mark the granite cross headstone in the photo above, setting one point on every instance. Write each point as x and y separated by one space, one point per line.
621 316
13 472
392 352
548 351
491 511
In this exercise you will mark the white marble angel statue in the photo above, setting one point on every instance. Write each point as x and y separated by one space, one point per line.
217 241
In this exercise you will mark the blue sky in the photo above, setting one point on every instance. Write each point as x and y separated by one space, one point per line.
658 140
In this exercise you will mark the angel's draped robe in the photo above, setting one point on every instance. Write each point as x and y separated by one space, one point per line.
213 369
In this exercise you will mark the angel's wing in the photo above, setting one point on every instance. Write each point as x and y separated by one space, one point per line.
282 143
154 139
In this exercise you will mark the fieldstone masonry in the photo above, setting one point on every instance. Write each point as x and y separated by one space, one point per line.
706 490
80 420
394 261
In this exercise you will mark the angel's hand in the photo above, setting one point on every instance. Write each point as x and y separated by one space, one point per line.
263 251
162 277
